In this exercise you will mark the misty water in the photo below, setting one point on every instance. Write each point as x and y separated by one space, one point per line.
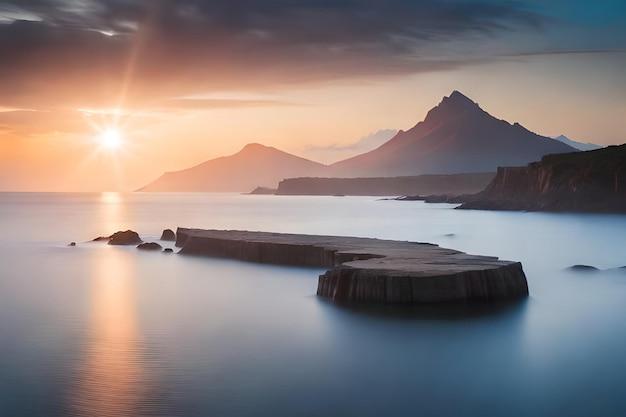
96 330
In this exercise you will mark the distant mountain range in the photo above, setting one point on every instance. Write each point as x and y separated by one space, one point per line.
457 136
577 145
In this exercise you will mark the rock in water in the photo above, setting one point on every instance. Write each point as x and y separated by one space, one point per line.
583 268
127 237
369 270
168 235
263 191
150 246
168 250
72 244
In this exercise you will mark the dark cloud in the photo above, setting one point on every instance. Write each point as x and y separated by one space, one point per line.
571 52
169 49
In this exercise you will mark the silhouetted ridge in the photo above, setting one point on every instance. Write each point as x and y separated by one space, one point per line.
453 106
457 136
459 100
254 165
250 147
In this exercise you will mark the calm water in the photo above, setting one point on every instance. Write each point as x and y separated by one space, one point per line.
96 330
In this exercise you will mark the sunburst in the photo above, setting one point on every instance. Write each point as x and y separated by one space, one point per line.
110 138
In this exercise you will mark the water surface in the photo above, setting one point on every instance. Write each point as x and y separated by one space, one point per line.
95 330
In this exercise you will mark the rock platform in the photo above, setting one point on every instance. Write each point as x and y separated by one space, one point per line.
369 270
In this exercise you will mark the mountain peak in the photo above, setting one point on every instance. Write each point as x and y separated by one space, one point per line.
253 146
451 106
457 95
577 145
257 148
458 99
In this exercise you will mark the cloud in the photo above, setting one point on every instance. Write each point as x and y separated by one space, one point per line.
364 144
214 103
30 122
571 52
77 53
335 152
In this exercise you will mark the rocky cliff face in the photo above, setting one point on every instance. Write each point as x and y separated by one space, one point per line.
345 283
593 181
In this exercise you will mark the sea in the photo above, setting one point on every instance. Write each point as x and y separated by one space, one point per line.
98 330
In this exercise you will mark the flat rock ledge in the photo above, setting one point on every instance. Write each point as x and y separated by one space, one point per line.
369 270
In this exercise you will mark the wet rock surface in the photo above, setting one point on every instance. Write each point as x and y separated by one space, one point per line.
127 237
168 235
369 270
150 246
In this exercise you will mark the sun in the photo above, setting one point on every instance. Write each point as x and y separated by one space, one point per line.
110 139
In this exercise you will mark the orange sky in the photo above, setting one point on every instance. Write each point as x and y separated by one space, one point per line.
182 86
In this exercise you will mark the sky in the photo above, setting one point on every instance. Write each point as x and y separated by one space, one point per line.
181 82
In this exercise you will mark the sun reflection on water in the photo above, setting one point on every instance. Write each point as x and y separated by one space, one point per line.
110 197
113 378
112 211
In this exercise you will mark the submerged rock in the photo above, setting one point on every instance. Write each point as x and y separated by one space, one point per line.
150 246
583 268
593 269
127 237
168 235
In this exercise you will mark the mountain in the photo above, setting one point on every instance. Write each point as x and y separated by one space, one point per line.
577 145
253 166
591 181
457 136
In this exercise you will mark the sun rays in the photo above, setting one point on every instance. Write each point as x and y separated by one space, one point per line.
111 139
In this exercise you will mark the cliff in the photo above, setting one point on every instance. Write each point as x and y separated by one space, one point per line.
592 181
423 185
369 270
